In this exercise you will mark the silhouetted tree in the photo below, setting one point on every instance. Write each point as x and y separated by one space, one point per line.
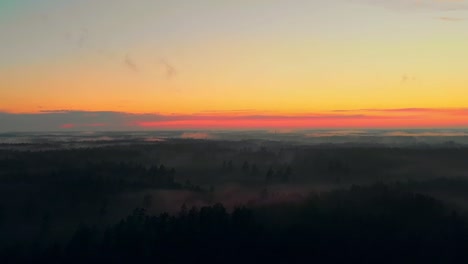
147 201
264 194
269 175
210 194
287 174
2 215
254 170
162 170
245 167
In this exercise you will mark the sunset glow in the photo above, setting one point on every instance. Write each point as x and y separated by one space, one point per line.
234 65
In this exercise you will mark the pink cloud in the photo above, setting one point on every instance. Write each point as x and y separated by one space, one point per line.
67 126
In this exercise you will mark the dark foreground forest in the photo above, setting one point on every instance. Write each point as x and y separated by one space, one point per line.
212 201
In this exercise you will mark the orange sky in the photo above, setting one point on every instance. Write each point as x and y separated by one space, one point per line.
268 58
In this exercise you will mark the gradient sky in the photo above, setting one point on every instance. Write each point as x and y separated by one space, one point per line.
216 60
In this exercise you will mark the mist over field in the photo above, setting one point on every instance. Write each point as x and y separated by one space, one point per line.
55 186
391 137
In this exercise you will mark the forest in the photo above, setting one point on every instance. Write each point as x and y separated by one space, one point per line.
230 201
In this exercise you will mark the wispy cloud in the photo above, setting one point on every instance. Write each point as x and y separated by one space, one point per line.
230 111
78 38
407 78
450 19
453 111
408 5
130 64
169 70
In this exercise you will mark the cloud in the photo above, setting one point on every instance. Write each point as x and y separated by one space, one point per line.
67 126
79 38
82 38
408 5
450 19
130 64
410 110
377 118
53 120
229 111
170 71
407 78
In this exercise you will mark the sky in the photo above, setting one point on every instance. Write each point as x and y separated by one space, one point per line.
148 64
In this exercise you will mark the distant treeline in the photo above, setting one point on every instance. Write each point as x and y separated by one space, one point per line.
75 169
376 224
